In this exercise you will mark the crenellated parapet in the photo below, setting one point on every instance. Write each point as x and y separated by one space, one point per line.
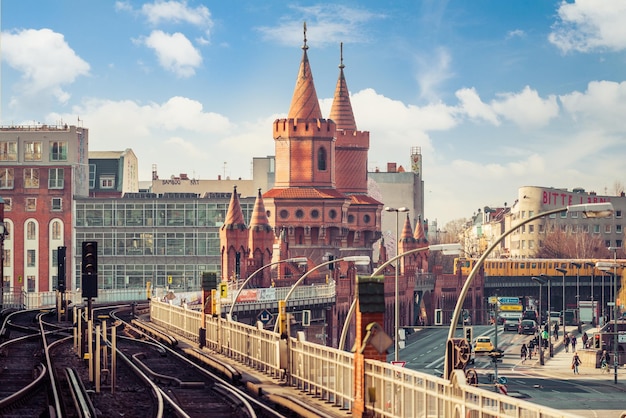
310 128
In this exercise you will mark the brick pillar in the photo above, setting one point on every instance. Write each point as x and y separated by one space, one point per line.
370 309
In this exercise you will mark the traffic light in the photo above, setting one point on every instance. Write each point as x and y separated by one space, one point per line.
61 282
306 318
468 335
90 269
596 341
238 264
331 266
438 317
209 280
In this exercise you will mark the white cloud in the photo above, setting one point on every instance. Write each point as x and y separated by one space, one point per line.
474 107
603 105
433 70
46 62
588 25
526 108
517 33
175 52
177 11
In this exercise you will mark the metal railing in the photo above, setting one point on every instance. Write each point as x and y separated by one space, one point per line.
328 373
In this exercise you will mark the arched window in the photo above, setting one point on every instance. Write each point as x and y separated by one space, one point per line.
31 230
56 230
321 159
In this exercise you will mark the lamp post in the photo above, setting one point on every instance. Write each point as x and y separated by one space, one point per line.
396 297
578 266
541 282
549 301
282 304
2 235
446 249
593 308
615 312
288 260
563 272
591 210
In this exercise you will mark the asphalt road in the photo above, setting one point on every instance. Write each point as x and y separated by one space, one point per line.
589 394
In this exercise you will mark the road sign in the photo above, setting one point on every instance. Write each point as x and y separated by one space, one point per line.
493 300
265 317
399 363
508 301
510 307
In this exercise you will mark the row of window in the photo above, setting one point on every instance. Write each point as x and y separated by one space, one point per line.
522 244
155 243
31 178
315 214
584 228
30 204
33 151
563 215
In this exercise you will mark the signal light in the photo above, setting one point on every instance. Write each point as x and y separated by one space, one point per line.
61 281
90 269
596 341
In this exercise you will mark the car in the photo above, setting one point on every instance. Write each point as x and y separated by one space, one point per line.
511 325
483 344
527 326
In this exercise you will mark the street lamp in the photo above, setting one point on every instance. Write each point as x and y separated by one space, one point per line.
397 305
3 233
578 266
615 311
282 304
297 260
446 249
593 307
589 210
541 282
563 271
549 302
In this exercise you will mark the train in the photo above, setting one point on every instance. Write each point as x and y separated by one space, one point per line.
528 267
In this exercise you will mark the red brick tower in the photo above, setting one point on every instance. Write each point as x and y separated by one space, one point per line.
234 238
261 244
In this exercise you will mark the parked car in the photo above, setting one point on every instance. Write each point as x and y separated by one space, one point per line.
527 326
511 325
483 344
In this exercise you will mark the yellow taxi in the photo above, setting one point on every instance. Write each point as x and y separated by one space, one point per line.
483 344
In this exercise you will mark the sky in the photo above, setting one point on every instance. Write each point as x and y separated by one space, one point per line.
497 94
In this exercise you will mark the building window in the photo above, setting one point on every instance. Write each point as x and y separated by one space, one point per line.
531 213
574 229
8 203
531 244
31 230
299 213
7 258
366 219
57 203
523 214
332 214
596 229
8 150
607 243
6 178
585 228
31 204
32 151
92 176
541 229
531 229
55 178
618 229
618 213
321 159
564 214
607 229
107 182
31 178
30 283
31 258
574 214
315 214
58 151
56 230
350 218
618 243
284 214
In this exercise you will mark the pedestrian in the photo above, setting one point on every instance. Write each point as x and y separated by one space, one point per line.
523 353
546 338
566 342
556 331
604 361
572 341
585 338
575 363
531 348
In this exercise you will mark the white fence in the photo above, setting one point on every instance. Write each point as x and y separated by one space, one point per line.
328 373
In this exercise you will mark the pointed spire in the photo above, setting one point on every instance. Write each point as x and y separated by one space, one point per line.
419 235
341 110
382 252
234 215
304 103
407 231
259 219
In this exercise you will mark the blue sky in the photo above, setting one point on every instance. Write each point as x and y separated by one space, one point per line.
498 94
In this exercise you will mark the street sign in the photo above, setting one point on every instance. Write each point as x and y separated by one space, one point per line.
493 300
508 301
265 317
510 307
399 363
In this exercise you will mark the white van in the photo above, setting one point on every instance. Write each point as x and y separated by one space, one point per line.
555 318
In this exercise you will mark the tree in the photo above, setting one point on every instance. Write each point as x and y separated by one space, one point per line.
567 244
